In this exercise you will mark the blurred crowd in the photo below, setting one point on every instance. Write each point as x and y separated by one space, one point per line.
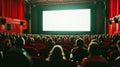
43 50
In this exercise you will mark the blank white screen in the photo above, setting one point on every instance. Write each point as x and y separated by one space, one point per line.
66 20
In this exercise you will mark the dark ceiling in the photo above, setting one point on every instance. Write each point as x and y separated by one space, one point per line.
48 2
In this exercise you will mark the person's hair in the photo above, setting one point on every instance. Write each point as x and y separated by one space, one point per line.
20 42
56 54
79 42
50 40
118 45
94 49
95 40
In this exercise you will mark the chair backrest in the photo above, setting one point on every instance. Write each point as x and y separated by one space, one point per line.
95 64
31 51
62 63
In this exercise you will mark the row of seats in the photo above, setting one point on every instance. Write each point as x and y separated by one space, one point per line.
62 50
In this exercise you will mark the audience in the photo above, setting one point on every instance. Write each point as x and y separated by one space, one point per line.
71 51
79 51
117 58
56 54
57 57
1 58
17 56
94 59
117 62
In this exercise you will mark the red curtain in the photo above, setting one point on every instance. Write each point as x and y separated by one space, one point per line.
13 9
0 8
114 10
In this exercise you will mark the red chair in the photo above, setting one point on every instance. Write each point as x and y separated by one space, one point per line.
31 51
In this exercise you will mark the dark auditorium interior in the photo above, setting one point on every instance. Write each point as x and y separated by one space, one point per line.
59 33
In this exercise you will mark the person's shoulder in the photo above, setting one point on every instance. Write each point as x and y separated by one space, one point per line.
117 59
69 63
85 59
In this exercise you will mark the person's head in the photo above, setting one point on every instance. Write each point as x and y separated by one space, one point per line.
17 58
1 56
50 41
79 42
95 40
56 54
7 43
20 42
13 39
94 49
118 45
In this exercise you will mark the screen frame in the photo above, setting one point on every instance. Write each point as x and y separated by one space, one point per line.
69 7
65 20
